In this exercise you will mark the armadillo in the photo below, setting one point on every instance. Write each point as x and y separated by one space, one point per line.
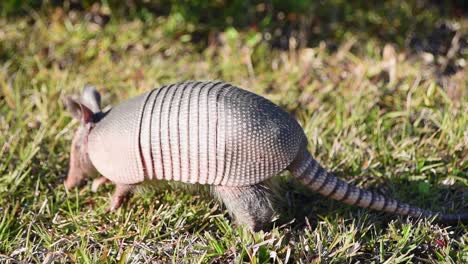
209 133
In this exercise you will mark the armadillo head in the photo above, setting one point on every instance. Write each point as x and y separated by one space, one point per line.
87 110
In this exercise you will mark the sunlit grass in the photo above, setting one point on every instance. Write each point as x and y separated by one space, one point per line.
405 137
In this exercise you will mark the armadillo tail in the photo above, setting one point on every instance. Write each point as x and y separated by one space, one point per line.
314 176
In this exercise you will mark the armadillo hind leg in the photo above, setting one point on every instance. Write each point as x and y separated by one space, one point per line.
121 192
248 205
316 178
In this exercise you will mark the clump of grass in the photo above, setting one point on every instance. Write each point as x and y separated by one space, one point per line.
404 134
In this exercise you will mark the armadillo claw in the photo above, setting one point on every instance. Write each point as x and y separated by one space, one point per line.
115 203
97 183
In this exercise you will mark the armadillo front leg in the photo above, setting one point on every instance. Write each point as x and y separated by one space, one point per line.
120 193
97 183
248 205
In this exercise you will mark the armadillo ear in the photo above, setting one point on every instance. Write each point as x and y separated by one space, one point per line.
91 98
78 110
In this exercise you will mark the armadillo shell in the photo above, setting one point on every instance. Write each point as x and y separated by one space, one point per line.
195 132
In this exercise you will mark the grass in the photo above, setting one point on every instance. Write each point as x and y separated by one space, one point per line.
403 134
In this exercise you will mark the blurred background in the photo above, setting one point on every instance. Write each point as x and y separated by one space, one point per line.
380 88
434 29
421 24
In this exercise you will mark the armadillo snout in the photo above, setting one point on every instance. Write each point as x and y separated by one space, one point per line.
80 164
74 179
78 173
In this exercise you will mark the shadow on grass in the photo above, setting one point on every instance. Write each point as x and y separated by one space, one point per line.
298 203
417 26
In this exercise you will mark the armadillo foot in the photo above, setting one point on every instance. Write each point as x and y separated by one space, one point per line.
120 193
97 183
248 205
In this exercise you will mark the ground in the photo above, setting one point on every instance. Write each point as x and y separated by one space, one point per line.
383 113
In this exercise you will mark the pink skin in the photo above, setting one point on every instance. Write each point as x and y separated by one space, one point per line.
81 166
97 183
